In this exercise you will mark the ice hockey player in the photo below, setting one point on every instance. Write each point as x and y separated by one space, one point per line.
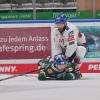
69 41
58 69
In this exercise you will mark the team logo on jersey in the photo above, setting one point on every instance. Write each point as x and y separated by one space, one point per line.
71 36
50 71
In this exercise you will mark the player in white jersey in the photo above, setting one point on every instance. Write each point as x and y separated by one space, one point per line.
69 40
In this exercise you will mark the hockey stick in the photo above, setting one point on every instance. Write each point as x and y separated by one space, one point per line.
28 72
16 75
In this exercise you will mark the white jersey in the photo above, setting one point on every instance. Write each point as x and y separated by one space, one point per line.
69 40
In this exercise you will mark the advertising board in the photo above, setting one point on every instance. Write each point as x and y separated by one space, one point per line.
23 44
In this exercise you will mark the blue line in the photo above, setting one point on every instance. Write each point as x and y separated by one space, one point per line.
25 21
85 20
44 21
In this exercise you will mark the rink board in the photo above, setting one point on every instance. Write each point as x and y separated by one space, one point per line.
24 43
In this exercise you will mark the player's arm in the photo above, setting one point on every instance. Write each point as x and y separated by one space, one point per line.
81 39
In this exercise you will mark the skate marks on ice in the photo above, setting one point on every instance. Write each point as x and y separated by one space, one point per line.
91 76
29 84
41 85
14 88
17 88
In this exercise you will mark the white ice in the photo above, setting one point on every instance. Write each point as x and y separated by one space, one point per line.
29 88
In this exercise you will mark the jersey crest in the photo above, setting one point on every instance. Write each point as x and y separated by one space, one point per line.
71 36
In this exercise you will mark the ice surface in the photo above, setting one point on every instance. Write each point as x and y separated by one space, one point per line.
29 88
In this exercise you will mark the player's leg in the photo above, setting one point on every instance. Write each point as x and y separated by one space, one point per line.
68 76
41 77
80 53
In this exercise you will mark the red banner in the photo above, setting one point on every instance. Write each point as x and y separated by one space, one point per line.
17 68
25 42
90 67
20 68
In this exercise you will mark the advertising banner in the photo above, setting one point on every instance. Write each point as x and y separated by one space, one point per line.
98 14
90 67
25 42
16 16
17 68
23 45
47 14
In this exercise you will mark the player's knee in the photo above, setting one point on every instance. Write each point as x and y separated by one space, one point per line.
81 51
69 76
41 77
